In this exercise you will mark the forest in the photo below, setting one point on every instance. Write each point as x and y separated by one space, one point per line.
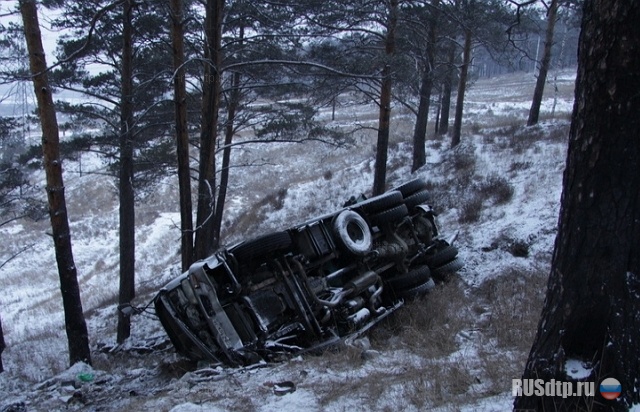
224 70
176 89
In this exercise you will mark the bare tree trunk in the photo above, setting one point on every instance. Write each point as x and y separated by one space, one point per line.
76 327
2 346
234 101
380 171
127 205
593 296
462 85
534 112
446 93
422 118
210 106
436 124
182 134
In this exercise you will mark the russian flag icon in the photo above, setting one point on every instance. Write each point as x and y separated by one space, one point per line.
610 388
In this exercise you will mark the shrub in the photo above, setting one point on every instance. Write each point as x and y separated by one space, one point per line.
275 199
464 160
516 166
498 188
471 209
519 248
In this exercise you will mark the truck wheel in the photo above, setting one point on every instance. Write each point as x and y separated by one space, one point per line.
382 202
390 215
261 246
417 291
418 198
409 280
411 187
442 256
453 266
353 232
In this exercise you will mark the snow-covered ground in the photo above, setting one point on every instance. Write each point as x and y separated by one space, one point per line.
456 350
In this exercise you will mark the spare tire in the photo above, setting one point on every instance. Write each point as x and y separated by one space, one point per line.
353 232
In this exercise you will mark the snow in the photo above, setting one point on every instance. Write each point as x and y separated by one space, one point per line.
293 183
577 369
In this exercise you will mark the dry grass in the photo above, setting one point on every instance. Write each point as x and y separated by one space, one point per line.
429 326
513 301
471 208
427 329
500 367
422 386
498 188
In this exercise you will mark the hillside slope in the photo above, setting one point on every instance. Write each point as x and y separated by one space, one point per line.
457 349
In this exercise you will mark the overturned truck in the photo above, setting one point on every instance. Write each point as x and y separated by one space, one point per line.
311 286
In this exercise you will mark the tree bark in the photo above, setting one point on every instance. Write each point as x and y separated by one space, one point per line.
234 101
445 106
422 118
76 327
182 134
534 112
593 297
2 346
462 85
210 106
382 147
127 201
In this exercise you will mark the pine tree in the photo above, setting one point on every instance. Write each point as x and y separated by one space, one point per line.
77 334
593 295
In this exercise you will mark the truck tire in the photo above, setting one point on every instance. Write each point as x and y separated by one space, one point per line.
417 291
411 187
378 203
353 232
409 280
261 246
418 198
442 256
441 272
390 215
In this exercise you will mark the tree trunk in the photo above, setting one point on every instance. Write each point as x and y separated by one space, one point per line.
593 297
210 105
76 327
2 346
446 93
382 147
182 134
127 206
234 101
422 118
462 85
534 112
